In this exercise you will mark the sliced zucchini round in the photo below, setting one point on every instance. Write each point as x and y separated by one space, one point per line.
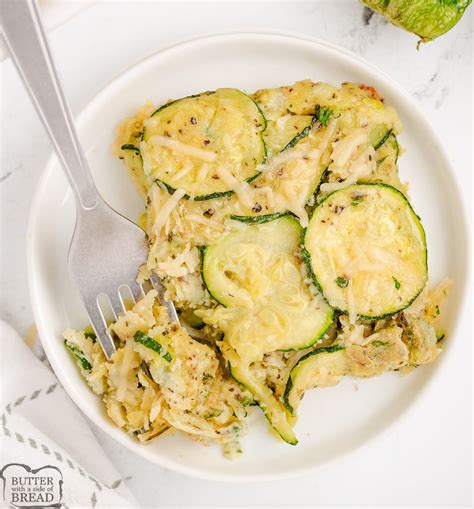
367 250
320 368
255 272
206 144
426 18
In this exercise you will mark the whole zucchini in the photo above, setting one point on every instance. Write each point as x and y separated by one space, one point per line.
428 19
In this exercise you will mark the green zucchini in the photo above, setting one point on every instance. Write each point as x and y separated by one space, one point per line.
386 156
388 149
152 344
320 118
205 144
323 367
280 132
378 135
189 316
90 334
427 19
263 396
81 359
265 218
134 162
361 239
254 271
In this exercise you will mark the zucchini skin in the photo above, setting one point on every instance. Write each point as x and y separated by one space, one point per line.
152 344
289 383
203 251
302 134
289 438
428 19
203 197
307 256
130 146
393 140
383 140
170 103
327 326
265 218
78 354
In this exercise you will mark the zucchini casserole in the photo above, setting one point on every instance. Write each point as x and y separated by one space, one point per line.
280 229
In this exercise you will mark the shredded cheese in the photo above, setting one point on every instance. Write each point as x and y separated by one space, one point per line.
344 149
359 168
183 148
162 214
241 189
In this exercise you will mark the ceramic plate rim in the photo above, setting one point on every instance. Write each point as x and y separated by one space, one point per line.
402 95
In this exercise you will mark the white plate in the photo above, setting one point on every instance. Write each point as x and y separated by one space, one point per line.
333 421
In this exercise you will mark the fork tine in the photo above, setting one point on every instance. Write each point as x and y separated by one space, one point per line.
137 290
100 328
117 304
158 286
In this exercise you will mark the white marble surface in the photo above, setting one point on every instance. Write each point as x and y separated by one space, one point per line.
411 466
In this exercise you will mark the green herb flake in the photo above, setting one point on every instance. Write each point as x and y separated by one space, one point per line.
357 199
129 146
78 354
377 343
90 334
214 412
437 310
152 344
206 377
342 282
411 339
396 282
324 115
247 401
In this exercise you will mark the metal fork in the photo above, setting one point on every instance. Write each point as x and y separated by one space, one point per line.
106 248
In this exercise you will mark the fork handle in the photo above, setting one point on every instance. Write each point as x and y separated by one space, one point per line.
25 38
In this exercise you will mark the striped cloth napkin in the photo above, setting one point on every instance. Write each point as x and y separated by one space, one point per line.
41 427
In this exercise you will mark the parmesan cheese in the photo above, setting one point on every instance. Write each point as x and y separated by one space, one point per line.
182 148
162 214
241 189
357 169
